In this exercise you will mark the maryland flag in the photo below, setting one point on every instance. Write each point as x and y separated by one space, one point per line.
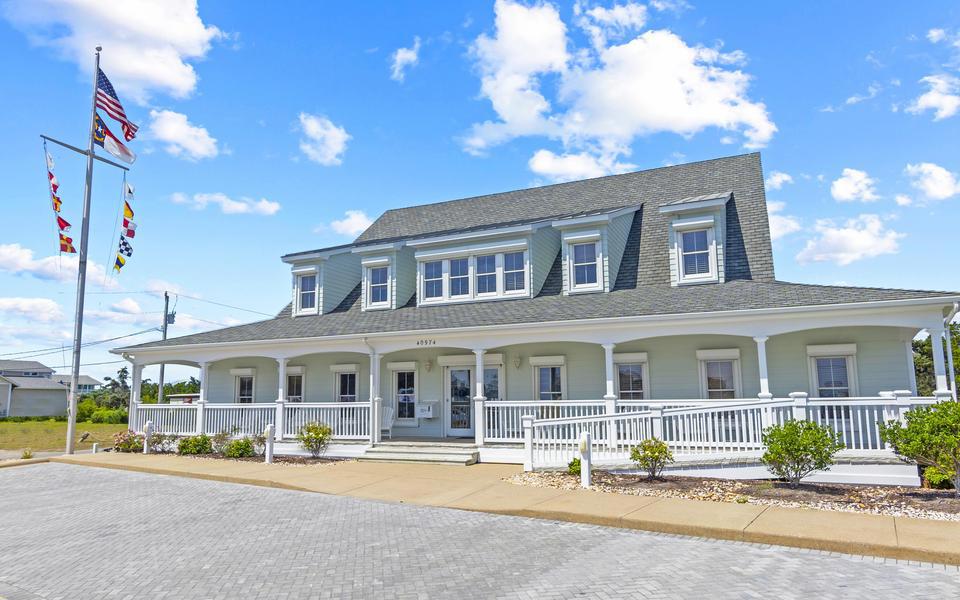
119 263
62 224
66 245
57 203
127 211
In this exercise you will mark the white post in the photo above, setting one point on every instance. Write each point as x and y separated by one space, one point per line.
950 368
903 404
608 371
202 400
585 458
147 433
479 398
268 447
911 367
799 405
939 365
136 376
762 362
281 396
95 449
527 422
374 397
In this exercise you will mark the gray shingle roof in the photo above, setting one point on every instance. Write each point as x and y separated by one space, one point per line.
34 383
23 365
82 380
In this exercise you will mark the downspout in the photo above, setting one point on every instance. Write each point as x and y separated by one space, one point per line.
950 368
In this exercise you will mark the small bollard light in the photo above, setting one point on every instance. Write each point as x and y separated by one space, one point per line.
268 447
96 447
585 458
147 433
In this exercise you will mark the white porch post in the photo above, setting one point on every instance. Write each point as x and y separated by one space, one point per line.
136 376
799 405
762 362
202 400
374 397
911 367
939 365
478 400
610 398
950 368
281 397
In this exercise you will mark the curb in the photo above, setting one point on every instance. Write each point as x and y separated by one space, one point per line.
19 462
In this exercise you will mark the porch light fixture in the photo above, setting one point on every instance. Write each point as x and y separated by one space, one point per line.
428 365
516 361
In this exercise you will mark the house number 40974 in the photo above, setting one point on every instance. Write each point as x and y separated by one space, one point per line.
426 342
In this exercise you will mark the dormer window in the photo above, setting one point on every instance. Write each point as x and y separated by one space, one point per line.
695 253
697 230
585 265
513 270
583 253
307 287
459 277
379 291
443 278
487 274
433 279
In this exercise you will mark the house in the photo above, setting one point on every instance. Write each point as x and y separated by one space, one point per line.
501 318
27 389
85 383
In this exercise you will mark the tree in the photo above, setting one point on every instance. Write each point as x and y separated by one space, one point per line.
923 360
120 383
931 437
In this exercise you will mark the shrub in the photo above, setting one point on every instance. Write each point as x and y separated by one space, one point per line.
85 409
931 437
195 444
161 443
314 438
109 415
26 454
798 448
219 441
652 455
259 442
54 419
574 467
937 479
127 441
240 448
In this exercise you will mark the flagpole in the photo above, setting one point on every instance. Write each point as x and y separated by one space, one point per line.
82 271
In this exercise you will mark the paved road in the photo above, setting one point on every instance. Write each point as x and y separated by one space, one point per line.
77 532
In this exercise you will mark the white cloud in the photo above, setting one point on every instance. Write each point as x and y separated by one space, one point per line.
353 223
325 142
147 44
608 94
936 35
403 58
17 260
777 179
44 310
933 180
903 200
127 305
943 97
158 286
872 90
568 167
183 138
781 225
854 185
862 237
228 206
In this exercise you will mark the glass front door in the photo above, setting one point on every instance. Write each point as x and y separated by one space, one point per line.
459 400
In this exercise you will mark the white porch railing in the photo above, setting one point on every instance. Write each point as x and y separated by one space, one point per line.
349 420
176 419
503 419
237 419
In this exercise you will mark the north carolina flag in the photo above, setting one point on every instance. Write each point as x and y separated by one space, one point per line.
66 244
109 142
119 263
127 211
129 228
62 224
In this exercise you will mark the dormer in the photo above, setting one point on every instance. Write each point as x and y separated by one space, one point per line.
387 275
697 232
592 247
321 280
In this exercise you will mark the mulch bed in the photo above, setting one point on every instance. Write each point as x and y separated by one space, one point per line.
920 503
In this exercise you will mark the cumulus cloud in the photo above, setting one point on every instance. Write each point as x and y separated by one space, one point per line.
781 225
127 305
403 59
903 200
228 206
865 236
777 179
148 44
183 139
44 310
353 223
324 142
17 260
936 35
610 93
936 182
571 166
942 97
854 185
158 286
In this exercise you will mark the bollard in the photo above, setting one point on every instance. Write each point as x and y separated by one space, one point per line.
585 458
96 446
147 432
268 449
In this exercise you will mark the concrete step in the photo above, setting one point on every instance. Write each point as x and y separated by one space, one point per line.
424 452
378 449
422 457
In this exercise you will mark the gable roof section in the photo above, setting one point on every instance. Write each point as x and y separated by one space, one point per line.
23 365
34 383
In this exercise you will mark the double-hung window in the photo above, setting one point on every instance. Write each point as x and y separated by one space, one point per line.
459 277
695 253
833 370
486 274
406 394
549 383
514 271
346 387
244 389
473 277
307 292
719 373
378 289
630 381
433 279
295 388
584 264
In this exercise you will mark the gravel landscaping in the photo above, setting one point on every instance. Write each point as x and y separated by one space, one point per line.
918 503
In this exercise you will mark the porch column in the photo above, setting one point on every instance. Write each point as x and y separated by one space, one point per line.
374 397
911 367
478 400
202 400
939 365
762 362
608 364
281 397
950 368
136 376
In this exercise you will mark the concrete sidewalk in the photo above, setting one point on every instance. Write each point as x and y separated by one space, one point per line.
480 488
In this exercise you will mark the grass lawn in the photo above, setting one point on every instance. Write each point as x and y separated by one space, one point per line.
52 435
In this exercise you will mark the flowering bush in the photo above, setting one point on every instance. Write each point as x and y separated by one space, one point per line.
314 438
127 441
652 455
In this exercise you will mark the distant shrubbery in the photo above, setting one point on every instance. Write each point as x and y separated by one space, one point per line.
127 441
55 419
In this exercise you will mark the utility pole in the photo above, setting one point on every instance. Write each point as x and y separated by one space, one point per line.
166 321
82 274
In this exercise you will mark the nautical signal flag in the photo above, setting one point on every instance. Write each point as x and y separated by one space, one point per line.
66 245
128 190
54 184
125 248
127 211
109 142
119 263
57 203
49 161
129 228
62 224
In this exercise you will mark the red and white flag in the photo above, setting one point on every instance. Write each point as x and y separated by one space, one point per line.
129 228
63 224
107 100
109 142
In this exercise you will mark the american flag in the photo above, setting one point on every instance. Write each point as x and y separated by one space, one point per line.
108 101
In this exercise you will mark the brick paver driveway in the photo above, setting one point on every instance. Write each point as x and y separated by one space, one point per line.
77 532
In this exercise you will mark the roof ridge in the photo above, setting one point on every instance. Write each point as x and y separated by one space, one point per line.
865 287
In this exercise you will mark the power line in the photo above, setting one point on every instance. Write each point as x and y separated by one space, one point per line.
47 351
109 362
225 305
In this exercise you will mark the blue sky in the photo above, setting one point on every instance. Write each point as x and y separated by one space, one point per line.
267 131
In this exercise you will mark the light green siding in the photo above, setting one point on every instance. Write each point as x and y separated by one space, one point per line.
341 273
544 246
222 385
617 233
405 276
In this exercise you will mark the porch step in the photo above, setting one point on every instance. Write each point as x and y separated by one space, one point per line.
423 452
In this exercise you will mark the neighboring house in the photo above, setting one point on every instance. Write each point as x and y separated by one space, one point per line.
85 383
571 300
27 389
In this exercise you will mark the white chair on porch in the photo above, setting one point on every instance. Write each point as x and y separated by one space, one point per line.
386 421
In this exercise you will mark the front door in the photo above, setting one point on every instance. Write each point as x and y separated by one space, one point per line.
459 401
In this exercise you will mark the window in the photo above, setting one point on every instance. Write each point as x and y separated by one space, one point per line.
720 381
630 380
244 389
346 387
584 265
406 394
294 388
379 285
487 274
433 279
513 272
549 383
307 292
832 378
460 277
696 252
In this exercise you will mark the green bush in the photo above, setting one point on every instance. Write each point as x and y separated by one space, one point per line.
85 409
26 454
937 479
314 438
54 419
219 441
931 437
127 441
162 443
652 455
798 448
573 467
240 448
109 415
195 444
